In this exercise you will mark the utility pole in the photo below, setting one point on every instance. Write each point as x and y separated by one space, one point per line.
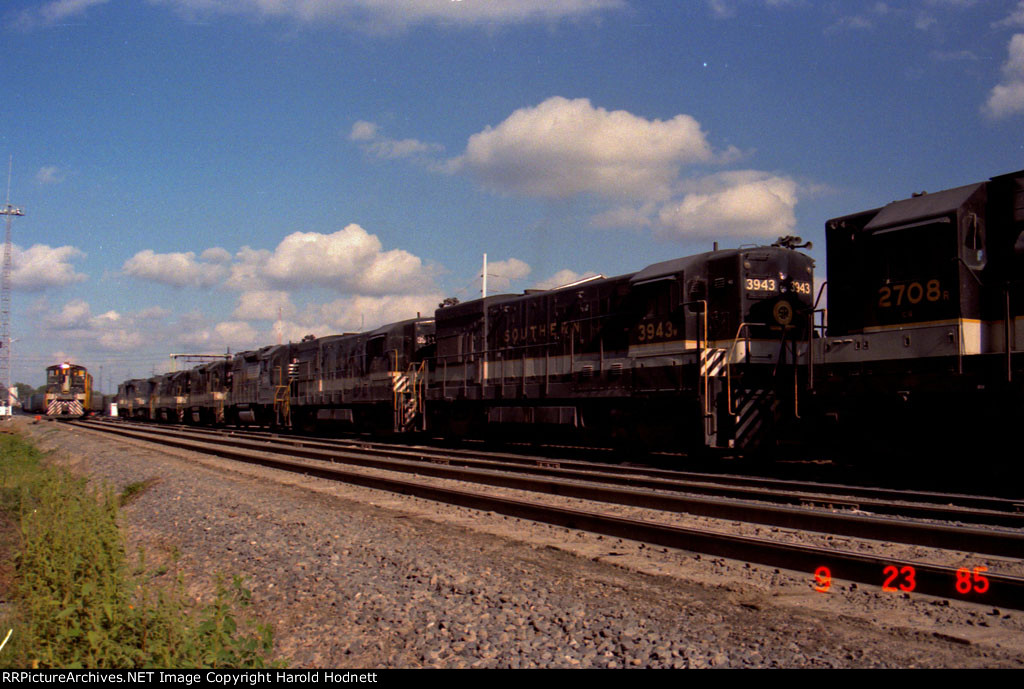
9 212
483 301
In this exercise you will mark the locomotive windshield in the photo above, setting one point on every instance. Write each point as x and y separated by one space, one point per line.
66 376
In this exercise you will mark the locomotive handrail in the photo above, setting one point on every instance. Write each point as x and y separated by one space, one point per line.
810 344
702 338
810 335
1007 343
728 363
821 291
959 259
901 327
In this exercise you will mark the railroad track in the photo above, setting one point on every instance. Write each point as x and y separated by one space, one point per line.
861 500
971 584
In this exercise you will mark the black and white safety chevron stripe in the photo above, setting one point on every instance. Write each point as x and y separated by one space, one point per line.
712 362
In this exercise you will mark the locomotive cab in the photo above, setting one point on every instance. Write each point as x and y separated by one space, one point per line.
209 384
68 391
924 314
913 264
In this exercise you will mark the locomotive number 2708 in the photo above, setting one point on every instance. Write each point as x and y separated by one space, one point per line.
912 293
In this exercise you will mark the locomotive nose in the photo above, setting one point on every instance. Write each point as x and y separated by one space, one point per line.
782 312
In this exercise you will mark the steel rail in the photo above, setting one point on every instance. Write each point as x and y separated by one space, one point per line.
987 541
988 510
936 580
596 474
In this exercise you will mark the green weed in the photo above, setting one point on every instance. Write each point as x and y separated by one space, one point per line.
134 490
77 604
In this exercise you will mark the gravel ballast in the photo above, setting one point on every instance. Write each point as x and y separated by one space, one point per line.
352 577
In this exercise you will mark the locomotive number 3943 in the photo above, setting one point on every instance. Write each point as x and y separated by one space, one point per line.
661 330
911 293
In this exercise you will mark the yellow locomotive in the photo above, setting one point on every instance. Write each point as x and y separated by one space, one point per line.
68 391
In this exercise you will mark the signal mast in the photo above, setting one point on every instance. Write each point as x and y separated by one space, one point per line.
8 211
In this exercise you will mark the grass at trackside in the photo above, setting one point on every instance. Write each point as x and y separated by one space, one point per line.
73 600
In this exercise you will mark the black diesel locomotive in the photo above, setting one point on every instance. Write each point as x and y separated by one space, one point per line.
925 318
694 352
697 352
921 341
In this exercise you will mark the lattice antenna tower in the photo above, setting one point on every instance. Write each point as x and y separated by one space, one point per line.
8 211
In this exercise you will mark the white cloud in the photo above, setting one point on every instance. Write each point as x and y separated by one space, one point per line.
380 15
291 331
153 312
1007 97
50 174
354 314
744 203
349 260
363 131
239 333
925 16
563 277
246 273
401 148
347 314
855 22
216 255
74 314
373 142
726 9
954 55
721 9
624 216
236 335
110 331
264 305
121 339
1014 19
42 266
53 12
176 269
500 274
563 147
924 21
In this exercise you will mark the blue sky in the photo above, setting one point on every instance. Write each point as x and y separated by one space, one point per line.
204 174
